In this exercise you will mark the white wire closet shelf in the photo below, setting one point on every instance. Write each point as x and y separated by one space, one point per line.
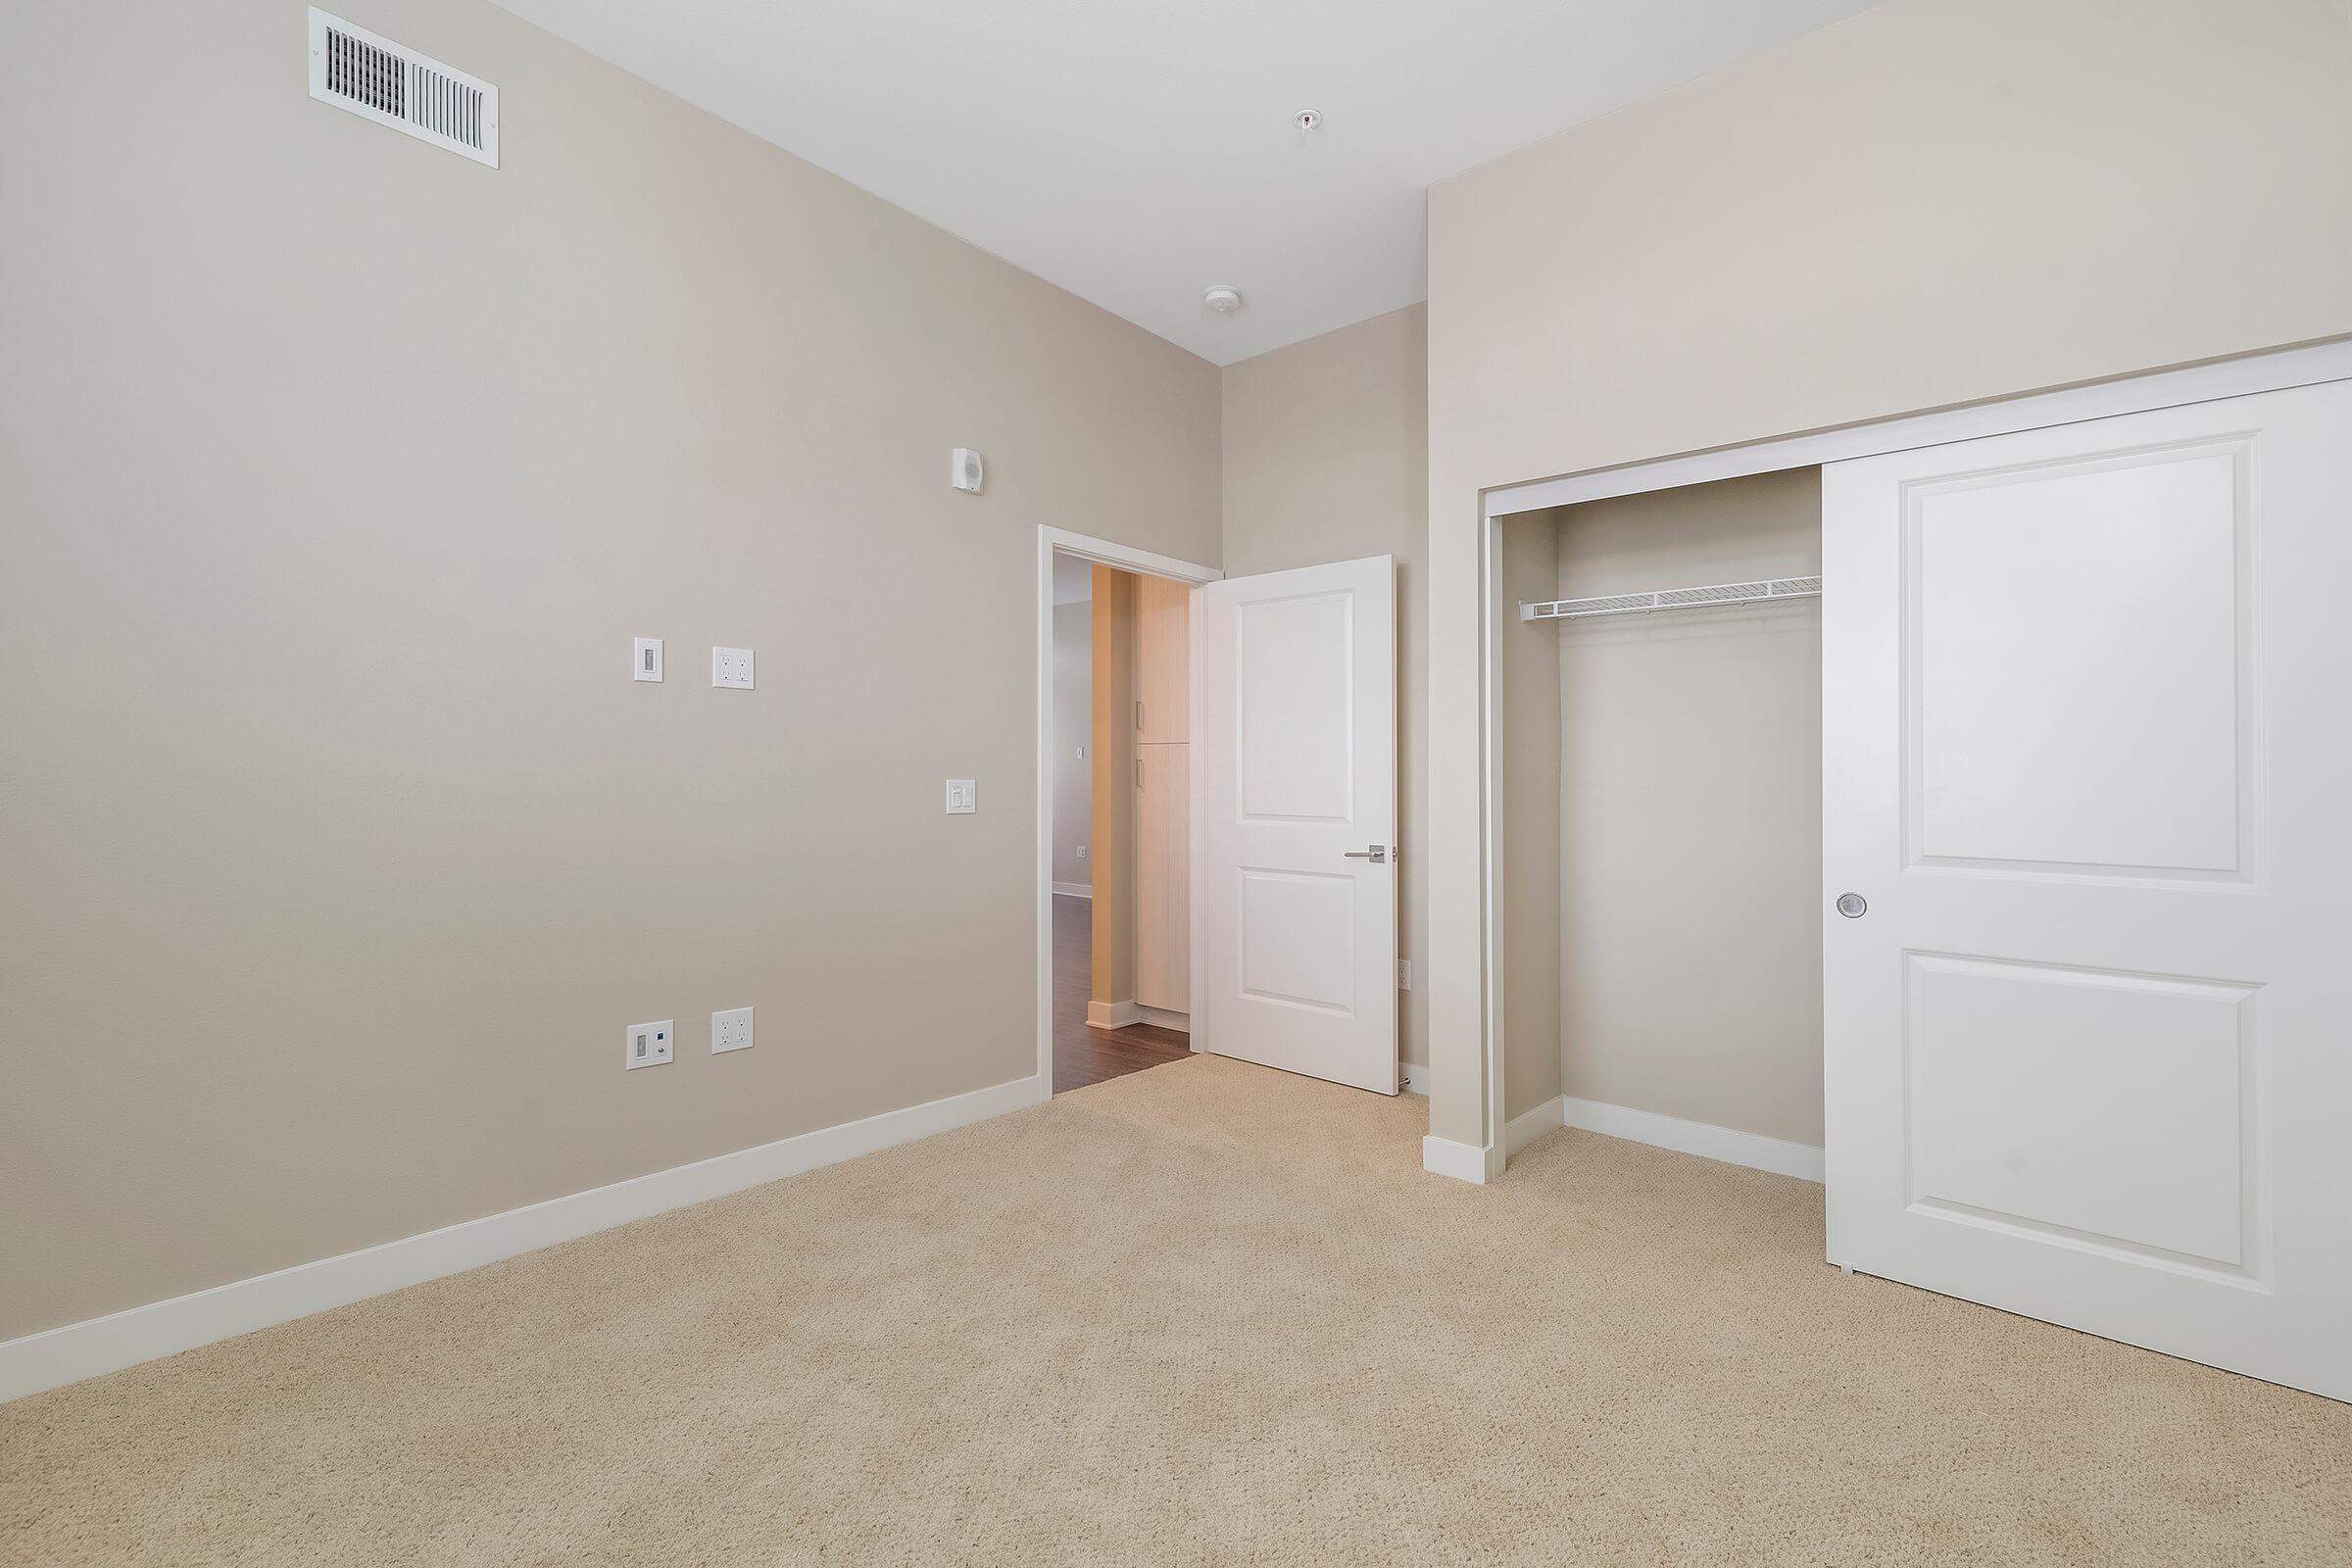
1708 597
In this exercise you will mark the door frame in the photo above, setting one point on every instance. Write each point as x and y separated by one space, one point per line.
2271 370
1126 557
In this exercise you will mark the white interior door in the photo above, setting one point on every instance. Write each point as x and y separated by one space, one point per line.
2090 1048
1298 722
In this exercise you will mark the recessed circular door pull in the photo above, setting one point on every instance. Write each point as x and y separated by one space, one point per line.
1851 904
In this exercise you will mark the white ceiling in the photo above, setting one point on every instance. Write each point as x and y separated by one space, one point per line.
1137 153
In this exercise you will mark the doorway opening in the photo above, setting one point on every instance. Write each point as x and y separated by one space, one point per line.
1122 913
1115 811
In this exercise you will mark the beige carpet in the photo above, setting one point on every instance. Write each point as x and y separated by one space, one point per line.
1207 1314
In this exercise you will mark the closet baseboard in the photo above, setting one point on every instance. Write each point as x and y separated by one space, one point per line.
1112 1015
1703 1139
54 1357
1074 890
1529 1125
1161 1017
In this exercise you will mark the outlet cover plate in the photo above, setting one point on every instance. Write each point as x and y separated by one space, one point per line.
731 666
964 797
646 1044
648 659
731 1030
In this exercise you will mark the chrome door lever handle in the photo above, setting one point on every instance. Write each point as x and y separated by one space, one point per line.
1378 854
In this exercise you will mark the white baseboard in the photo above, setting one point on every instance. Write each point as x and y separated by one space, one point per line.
57 1356
1074 890
1464 1163
1413 1077
1529 1125
1112 1015
1704 1139
1181 1022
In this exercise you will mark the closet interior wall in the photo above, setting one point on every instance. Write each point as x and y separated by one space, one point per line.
1528 716
1686 847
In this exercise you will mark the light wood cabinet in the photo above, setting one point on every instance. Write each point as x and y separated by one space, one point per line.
1163 929
1162 662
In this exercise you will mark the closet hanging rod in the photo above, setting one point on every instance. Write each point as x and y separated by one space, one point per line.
1721 593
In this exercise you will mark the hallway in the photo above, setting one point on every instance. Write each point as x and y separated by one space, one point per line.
1083 1055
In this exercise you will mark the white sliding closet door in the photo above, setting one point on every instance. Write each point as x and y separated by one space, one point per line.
2087 698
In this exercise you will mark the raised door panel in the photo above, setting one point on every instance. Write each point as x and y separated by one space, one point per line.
2078 692
1296 706
2109 1109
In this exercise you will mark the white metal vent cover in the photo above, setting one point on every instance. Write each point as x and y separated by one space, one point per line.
353 69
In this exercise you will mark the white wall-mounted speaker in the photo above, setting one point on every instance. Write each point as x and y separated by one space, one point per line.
963 470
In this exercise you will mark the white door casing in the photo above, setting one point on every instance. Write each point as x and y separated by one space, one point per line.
2087 1054
1297 722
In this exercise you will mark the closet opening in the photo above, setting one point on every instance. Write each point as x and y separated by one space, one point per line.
1658 819
2060 987
1121 821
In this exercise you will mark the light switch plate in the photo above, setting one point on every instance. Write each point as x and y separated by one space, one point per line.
964 797
731 1030
646 1044
731 666
646 657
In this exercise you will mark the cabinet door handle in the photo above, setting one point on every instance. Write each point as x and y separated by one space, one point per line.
1139 714
1139 773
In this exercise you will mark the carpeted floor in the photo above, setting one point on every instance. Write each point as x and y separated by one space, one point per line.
1206 1313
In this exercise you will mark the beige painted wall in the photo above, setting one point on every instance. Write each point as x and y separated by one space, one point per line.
1325 446
1528 708
1937 202
339 473
1073 728
1690 811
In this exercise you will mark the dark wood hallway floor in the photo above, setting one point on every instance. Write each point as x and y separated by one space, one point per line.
1083 1055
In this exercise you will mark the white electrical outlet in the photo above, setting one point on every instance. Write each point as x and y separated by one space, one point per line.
1082 852
648 659
731 666
1404 974
964 797
646 1045
731 1030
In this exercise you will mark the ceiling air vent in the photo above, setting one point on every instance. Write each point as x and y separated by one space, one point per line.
353 69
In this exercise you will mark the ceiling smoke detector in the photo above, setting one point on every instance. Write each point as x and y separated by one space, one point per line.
1222 299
